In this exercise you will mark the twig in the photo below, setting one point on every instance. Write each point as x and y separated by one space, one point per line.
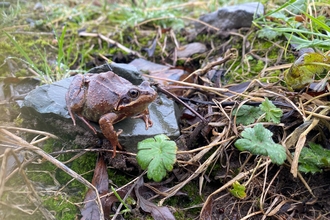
172 191
23 143
136 180
165 91
230 183
209 66
120 46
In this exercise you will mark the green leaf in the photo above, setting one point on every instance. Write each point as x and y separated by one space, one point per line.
273 113
304 69
268 33
252 112
314 159
158 155
297 6
238 190
258 140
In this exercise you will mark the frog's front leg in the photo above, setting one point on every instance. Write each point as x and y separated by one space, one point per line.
106 124
145 117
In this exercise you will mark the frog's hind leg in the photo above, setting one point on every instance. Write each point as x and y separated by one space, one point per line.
106 124
72 116
87 123
75 96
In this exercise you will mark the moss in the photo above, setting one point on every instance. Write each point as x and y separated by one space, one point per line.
60 207
192 199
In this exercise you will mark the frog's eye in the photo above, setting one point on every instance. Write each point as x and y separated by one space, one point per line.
133 93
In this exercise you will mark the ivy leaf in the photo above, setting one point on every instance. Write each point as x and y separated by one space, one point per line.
238 190
258 140
314 159
241 114
158 155
273 113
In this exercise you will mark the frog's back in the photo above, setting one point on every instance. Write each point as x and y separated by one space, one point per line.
103 94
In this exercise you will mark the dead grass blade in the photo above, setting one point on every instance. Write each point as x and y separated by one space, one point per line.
120 46
301 142
172 191
18 143
230 183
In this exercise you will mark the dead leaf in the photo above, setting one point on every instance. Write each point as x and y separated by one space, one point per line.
206 213
157 212
151 49
101 182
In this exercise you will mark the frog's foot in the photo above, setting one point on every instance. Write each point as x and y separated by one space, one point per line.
109 131
119 132
115 144
146 119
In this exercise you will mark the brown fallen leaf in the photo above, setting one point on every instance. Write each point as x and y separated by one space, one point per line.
206 213
101 182
157 212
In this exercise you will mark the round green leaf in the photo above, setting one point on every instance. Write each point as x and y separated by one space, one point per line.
158 155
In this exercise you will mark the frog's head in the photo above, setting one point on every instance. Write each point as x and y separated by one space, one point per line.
137 99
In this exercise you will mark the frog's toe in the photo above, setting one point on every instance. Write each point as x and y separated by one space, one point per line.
115 145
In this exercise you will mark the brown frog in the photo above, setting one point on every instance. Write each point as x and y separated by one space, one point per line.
107 98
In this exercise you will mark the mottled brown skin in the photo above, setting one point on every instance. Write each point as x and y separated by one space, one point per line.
107 98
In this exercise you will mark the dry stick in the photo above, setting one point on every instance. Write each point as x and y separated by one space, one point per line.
120 46
30 131
209 66
36 200
289 101
172 191
289 158
264 192
207 88
230 183
251 215
165 91
277 208
127 194
24 164
300 144
183 17
3 169
317 97
202 148
57 164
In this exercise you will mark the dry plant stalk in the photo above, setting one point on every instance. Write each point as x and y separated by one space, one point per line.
16 143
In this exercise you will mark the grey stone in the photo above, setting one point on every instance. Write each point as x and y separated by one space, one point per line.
148 66
46 104
191 49
124 70
157 70
232 17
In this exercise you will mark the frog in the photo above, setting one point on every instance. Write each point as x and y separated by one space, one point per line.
106 99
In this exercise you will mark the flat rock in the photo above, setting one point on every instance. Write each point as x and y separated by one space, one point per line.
124 70
45 108
232 17
158 70
191 49
148 66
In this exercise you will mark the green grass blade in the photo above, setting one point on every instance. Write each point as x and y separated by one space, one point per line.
22 52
